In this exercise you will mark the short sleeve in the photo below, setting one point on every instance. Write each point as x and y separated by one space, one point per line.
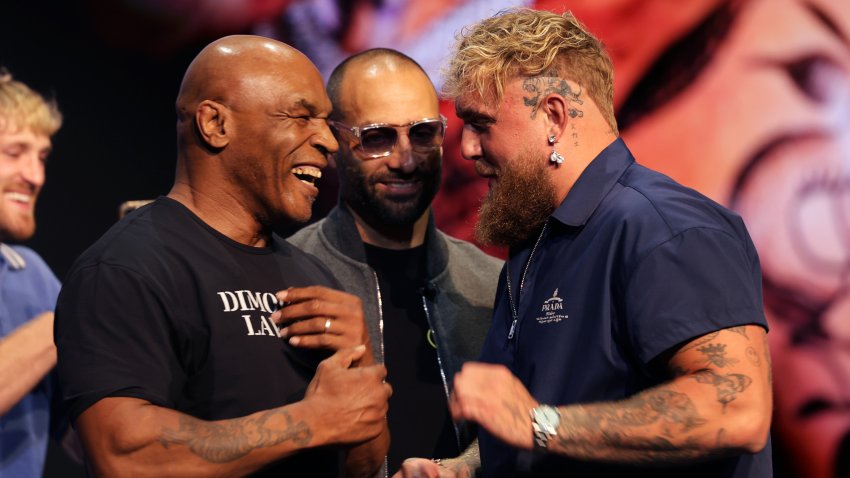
699 281
114 338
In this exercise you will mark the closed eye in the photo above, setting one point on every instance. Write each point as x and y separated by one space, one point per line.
478 127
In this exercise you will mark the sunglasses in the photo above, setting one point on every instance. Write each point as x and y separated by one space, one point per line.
378 140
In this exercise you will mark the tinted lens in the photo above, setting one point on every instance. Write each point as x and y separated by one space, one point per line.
426 135
377 140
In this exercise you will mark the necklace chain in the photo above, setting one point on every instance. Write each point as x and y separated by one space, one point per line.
514 308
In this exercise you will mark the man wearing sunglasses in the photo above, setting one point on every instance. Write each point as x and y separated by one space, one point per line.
427 297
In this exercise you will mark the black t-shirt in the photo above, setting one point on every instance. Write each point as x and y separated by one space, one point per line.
418 418
166 309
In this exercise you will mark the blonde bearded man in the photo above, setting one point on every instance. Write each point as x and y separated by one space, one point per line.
628 336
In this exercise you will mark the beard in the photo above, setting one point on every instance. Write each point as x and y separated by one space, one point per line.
16 227
518 204
360 193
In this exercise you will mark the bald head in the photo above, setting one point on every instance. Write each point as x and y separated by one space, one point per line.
252 131
233 69
372 66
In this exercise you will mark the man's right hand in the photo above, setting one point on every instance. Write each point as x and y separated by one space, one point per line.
425 468
353 399
126 436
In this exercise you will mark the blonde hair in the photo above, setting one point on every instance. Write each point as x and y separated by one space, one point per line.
528 43
23 108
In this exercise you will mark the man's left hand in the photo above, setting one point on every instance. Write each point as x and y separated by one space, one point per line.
320 317
495 399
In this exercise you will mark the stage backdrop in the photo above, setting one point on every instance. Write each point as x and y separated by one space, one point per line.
746 101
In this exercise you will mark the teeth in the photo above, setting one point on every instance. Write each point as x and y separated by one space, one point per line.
307 171
19 197
307 174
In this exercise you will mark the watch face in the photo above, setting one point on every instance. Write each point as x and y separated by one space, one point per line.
547 418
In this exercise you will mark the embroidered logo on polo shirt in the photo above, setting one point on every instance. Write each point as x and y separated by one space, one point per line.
552 310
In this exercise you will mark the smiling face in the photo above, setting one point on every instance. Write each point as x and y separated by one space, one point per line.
22 157
280 142
397 189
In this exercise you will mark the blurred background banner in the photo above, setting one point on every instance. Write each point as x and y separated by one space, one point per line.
746 101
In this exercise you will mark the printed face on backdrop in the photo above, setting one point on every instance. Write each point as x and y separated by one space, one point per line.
762 128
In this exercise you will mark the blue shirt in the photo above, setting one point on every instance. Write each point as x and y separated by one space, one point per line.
27 288
630 265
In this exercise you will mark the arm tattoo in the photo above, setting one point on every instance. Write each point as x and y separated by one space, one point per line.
766 347
671 409
540 86
716 355
753 356
700 341
728 386
230 440
740 329
588 430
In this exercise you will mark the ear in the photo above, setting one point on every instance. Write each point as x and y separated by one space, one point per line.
211 120
555 107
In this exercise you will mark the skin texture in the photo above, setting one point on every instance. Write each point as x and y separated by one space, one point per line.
463 466
718 399
308 309
250 110
26 355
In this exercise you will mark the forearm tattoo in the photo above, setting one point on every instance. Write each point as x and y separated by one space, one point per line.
672 412
230 440
540 86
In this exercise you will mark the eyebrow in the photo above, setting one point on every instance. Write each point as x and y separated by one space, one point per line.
312 109
472 116
828 22
26 145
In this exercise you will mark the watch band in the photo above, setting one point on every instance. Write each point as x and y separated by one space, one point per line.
545 420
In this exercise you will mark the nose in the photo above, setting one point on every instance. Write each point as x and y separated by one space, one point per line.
470 145
401 158
32 169
325 138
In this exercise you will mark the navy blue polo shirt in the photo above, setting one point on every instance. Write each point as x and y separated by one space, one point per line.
630 265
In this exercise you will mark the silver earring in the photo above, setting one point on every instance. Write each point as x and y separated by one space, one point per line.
555 157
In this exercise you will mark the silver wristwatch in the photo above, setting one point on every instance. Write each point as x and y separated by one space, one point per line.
544 424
